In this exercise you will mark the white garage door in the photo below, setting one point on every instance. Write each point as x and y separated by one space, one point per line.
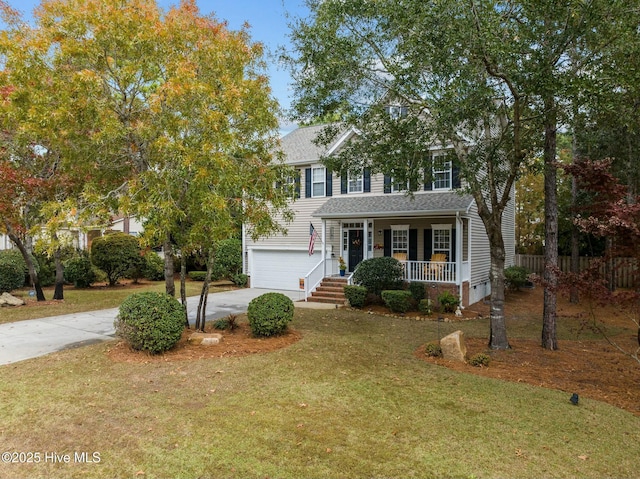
279 269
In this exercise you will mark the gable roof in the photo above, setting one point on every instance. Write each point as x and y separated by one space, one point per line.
299 147
448 202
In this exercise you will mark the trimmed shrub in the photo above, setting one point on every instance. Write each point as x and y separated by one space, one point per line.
46 269
228 262
480 360
379 274
515 277
115 254
240 280
150 321
197 275
433 350
418 291
79 271
153 268
425 306
12 269
448 302
356 295
398 301
269 314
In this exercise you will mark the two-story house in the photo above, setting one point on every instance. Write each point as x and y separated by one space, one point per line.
436 232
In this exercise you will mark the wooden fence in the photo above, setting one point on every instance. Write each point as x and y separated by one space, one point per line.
624 269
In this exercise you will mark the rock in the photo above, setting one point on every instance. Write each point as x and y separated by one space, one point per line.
8 300
453 346
205 339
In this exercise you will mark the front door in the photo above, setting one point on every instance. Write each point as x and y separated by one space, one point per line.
356 248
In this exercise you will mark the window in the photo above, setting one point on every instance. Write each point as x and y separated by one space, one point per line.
355 185
400 242
441 173
397 111
442 240
318 177
397 187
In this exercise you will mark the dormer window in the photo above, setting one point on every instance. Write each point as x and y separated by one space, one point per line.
397 111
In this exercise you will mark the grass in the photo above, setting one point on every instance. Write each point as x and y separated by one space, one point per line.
90 299
348 400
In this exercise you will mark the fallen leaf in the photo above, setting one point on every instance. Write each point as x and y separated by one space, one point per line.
584 457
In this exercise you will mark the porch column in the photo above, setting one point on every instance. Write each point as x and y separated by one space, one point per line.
365 240
324 248
459 247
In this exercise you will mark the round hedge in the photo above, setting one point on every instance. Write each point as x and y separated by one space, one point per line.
150 321
11 272
269 314
379 274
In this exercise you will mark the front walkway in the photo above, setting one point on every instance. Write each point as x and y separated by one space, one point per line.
32 338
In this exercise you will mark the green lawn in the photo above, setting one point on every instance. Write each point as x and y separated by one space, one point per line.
89 299
350 399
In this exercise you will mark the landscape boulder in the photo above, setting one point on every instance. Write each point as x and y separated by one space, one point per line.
8 300
205 339
454 347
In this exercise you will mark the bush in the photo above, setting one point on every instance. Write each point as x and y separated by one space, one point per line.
115 254
515 277
228 262
240 280
46 269
12 268
150 321
417 290
398 301
230 323
356 295
269 314
197 275
379 274
433 350
480 360
448 302
153 268
79 271
425 306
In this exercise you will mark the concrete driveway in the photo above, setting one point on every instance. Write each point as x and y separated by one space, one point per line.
29 339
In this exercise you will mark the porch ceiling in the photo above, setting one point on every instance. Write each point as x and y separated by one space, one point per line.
421 204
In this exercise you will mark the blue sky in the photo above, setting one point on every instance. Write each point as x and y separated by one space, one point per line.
268 20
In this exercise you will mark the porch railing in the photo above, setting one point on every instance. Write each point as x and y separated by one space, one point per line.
430 271
313 279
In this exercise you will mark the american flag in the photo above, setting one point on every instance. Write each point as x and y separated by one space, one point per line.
313 234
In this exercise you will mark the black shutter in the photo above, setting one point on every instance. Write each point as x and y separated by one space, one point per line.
428 175
367 180
329 183
343 183
387 184
387 242
413 245
307 182
297 187
453 245
428 244
455 177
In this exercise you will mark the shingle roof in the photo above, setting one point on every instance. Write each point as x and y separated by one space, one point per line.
394 204
299 147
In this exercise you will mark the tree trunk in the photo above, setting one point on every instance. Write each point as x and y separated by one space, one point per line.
169 282
202 304
550 276
59 288
183 288
28 259
498 325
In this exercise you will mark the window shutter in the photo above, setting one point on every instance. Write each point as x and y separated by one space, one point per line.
387 242
413 245
387 184
453 245
329 183
366 180
428 175
307 182
428 244
297 186
455 176
343 183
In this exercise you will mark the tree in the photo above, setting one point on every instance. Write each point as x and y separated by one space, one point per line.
486 77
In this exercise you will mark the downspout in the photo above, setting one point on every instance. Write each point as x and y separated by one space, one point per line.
459 254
